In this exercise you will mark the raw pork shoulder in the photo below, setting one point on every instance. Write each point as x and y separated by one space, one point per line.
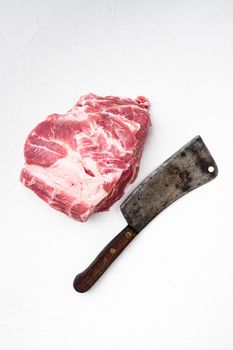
80 162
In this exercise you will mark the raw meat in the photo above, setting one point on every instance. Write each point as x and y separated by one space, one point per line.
80 162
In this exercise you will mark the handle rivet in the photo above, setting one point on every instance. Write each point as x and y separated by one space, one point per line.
113 250
128 234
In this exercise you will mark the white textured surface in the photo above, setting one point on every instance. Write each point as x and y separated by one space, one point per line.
173 287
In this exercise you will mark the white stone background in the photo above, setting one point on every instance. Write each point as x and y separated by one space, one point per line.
173 287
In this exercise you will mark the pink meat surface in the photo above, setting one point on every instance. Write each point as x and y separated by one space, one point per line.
80 162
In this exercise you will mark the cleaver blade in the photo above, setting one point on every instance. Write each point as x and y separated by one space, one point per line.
188 168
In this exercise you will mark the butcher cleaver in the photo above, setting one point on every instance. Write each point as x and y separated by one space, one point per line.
187 169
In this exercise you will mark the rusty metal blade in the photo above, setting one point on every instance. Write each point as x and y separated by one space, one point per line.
187 169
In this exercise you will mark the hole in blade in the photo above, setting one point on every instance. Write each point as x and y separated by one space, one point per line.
211 169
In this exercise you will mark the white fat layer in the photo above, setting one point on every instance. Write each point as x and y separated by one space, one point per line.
82 115
69 176
75 114
131 124
110 141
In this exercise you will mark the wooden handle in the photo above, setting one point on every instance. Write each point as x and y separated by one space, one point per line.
85 280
